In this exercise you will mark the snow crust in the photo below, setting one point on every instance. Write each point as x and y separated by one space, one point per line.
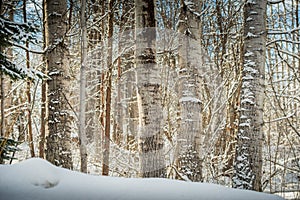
37 179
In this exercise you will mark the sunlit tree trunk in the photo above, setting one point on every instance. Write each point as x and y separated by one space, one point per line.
248 161
106 146
190 123
82 125
150 141
43 100
59 116
28 93
102 84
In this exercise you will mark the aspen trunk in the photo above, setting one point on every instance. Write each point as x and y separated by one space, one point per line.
28 93
150 141
59 117
43 101
82 129
190 123
106 147
248 161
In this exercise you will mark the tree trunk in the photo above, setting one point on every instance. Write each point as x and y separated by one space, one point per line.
93 74
105 163
59 117
248 161
2 128
190 124
29 128
43 100
6 120
82 132
1 94
150 141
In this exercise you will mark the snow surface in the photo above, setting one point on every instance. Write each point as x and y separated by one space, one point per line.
37 179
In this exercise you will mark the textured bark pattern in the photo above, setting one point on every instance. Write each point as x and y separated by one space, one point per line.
189 131
59 118
149 99
248 162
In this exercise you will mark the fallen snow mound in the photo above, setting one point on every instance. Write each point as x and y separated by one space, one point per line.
37 179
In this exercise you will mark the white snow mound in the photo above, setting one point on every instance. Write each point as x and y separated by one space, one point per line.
37 179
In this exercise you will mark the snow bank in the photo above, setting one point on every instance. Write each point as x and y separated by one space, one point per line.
37 179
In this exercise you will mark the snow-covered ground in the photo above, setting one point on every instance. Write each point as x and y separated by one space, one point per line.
37 179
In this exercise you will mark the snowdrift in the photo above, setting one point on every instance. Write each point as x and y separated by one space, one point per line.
37 179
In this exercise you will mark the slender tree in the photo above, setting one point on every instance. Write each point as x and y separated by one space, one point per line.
59 118
2 129
106 147
28 93
248 161
93 73
43 99
82 132
2 98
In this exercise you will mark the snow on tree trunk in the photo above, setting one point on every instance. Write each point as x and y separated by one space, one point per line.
190 123
248 161
59 118
150 141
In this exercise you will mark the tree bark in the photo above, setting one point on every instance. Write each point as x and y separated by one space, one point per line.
1 95
82 125
28 93
248 160
2 129
106 148
190 123
150 141
43 100
59 117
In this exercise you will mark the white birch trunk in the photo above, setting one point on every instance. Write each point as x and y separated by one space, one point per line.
82 125
59 117
248 161
190 124
150 141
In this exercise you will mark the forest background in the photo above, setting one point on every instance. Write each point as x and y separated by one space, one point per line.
192 90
